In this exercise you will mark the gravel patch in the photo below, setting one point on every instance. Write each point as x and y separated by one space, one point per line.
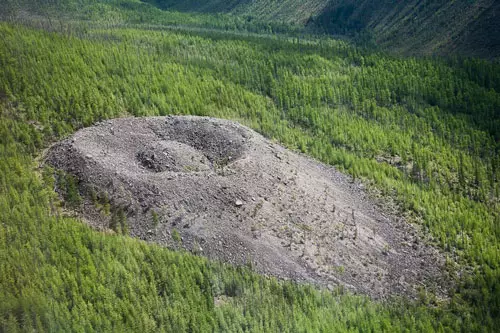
232 195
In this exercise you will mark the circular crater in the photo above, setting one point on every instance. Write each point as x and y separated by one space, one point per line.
173 156
291 216
220 143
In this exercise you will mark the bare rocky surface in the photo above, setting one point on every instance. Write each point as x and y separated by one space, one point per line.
232 195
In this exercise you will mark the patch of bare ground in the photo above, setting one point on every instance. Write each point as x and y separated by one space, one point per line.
223 191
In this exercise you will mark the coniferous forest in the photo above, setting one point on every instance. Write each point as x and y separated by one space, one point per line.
422 134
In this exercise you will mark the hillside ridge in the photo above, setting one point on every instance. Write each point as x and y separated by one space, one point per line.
414 27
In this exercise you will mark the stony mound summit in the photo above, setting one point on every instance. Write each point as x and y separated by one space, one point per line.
221 190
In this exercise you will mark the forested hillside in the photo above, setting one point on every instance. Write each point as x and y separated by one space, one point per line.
411 26
291 11
422 134
420 27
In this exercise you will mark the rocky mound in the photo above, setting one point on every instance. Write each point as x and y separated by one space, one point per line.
221 190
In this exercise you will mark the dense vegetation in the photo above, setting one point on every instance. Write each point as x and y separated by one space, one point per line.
410 26
415 27
285 10
419 26
423 132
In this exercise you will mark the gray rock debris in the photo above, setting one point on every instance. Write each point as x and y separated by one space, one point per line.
239 197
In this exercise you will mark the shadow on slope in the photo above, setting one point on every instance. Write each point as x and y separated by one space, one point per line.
418 27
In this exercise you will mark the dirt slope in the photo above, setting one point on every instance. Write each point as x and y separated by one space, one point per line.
233 195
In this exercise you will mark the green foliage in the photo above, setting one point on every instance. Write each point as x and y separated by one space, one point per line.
176 236
156 220
122 219
72 197
423 131
104 203
417 26
412 26
294 11
68 186
118 222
